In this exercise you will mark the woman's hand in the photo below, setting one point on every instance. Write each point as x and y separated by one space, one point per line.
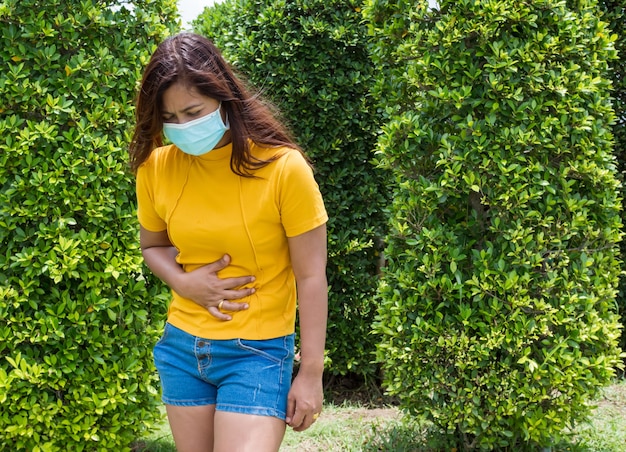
304 403
202 285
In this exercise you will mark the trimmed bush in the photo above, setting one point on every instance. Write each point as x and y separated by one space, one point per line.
615 14
78 315
311 58
498 310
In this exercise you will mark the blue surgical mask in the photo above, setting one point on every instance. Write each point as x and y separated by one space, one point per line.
199 136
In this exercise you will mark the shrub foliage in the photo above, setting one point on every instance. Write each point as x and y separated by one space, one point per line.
78 316
498 302
311 58
615 15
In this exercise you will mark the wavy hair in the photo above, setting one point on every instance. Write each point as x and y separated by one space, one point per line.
194 61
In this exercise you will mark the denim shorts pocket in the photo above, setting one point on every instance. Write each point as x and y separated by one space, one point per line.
166 330
273 349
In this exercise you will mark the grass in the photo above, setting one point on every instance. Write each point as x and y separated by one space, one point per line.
340 428
606 431
354 426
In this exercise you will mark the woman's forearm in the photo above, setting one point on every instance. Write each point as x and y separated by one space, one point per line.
161 260
313 307
308 259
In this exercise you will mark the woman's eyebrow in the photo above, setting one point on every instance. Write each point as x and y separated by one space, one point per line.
185 110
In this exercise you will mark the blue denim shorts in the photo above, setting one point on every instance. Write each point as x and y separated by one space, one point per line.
237 375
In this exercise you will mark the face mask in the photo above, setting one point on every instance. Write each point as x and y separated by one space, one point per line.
199 136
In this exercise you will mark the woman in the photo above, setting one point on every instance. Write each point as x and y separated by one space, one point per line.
232 182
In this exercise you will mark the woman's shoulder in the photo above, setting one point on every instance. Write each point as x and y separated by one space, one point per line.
281 155
168 152
160 157
287 164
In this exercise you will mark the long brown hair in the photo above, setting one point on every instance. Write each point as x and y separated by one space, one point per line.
194 61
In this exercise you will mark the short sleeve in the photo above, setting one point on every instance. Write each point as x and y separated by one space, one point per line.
146 211
301 204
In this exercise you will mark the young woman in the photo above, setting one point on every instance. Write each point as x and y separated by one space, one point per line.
232 220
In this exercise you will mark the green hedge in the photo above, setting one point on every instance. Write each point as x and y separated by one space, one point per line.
311 58
498 303
615 15
78 315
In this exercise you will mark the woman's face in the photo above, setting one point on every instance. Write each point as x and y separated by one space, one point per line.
182 103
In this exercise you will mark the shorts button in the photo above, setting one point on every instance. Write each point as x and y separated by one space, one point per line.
201 344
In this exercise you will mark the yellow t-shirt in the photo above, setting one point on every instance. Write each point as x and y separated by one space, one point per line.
209 211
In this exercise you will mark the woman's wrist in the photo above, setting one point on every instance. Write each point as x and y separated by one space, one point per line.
311 366
175 282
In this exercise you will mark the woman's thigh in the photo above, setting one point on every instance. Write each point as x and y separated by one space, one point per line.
192 427
236 432
202 429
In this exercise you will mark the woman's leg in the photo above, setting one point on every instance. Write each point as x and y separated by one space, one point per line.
235 432
192 427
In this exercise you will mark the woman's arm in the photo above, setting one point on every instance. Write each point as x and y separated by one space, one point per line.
308 258
202 286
